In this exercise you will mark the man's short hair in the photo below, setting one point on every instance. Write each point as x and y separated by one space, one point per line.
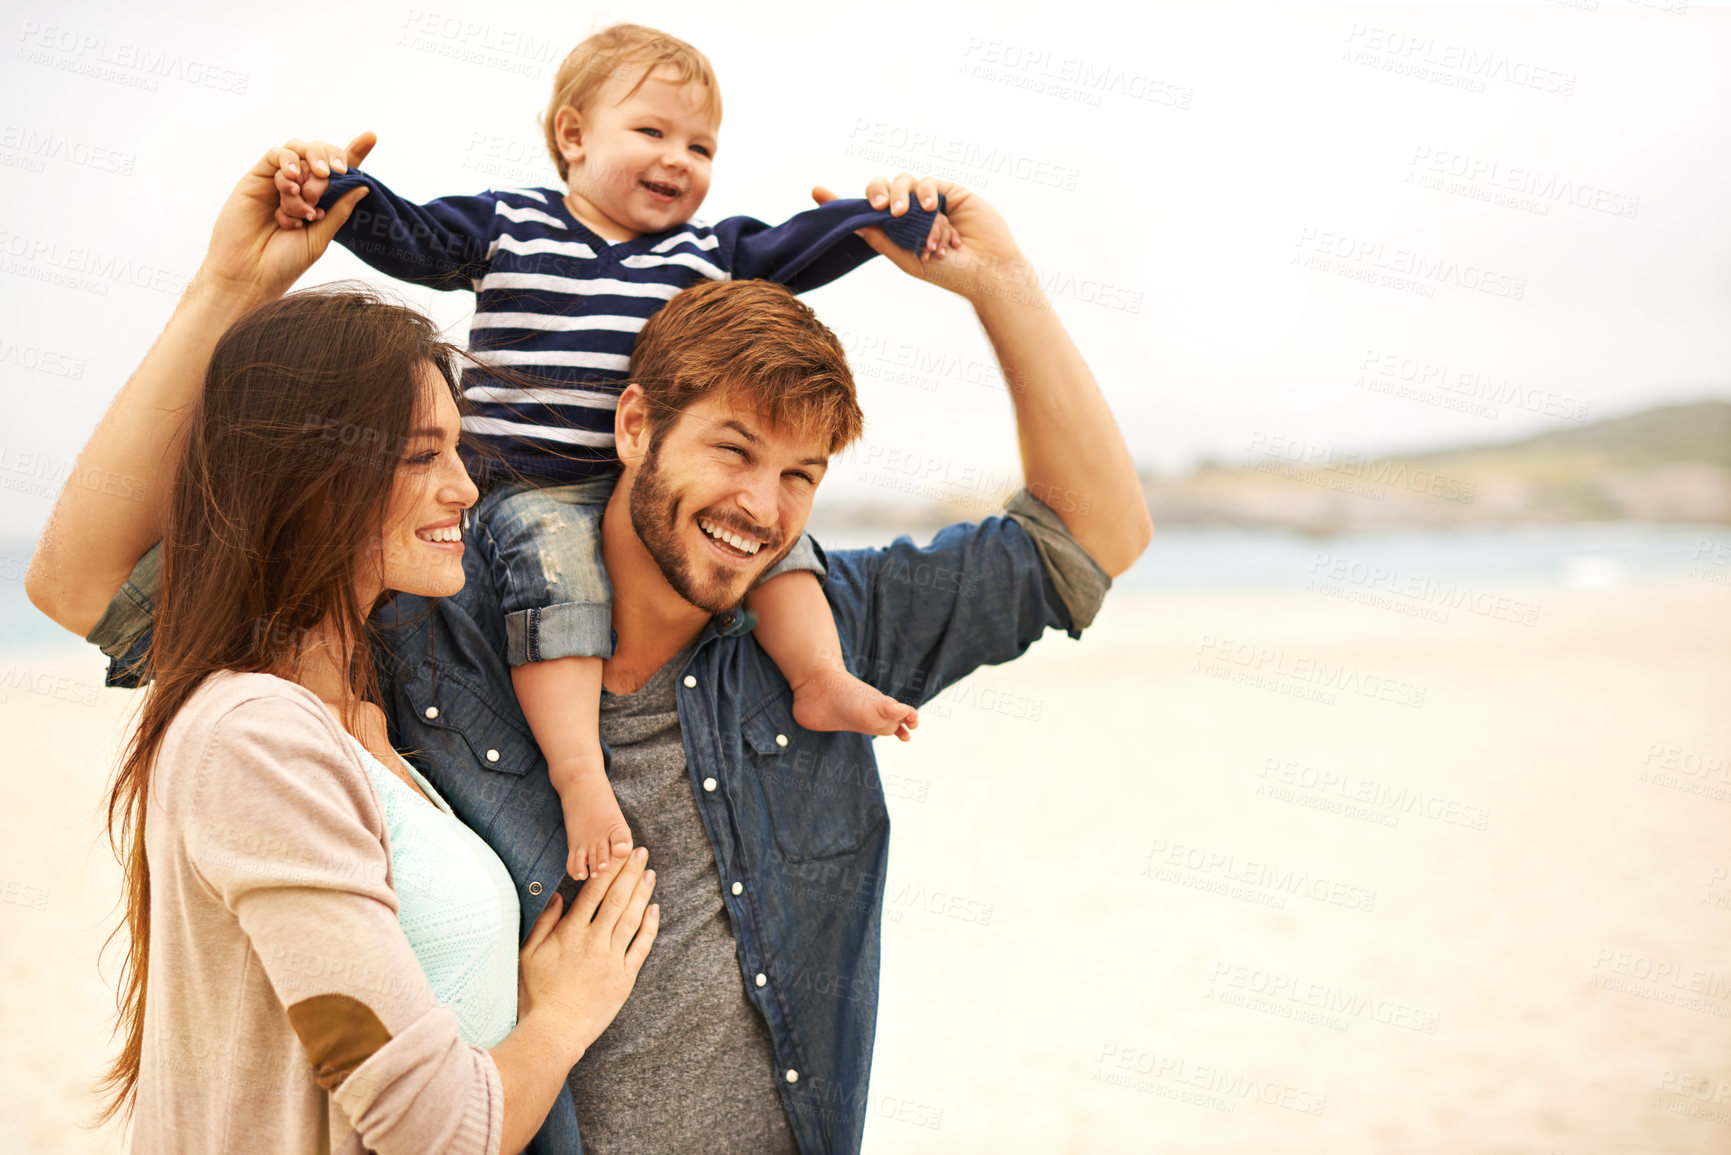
755 344
620 51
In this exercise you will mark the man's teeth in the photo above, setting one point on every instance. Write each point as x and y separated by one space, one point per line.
443 533
733 539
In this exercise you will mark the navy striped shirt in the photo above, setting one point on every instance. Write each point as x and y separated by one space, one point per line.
562 306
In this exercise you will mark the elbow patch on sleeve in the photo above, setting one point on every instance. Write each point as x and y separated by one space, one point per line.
339 1033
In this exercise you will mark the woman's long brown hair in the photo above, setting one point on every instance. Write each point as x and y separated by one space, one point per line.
285 477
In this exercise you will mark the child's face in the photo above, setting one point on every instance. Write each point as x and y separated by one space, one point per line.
642 162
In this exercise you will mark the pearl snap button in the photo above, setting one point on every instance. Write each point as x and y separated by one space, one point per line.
492 755
690 681
761 979
432 711
709 784
781 739
534 888
792 1075
738 889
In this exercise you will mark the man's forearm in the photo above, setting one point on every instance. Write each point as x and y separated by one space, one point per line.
114 505
1074 458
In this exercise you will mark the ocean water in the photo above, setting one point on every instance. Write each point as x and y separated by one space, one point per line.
1603 555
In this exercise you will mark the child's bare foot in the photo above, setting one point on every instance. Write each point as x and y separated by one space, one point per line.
595 829
836 700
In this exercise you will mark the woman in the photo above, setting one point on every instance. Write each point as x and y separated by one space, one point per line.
292 884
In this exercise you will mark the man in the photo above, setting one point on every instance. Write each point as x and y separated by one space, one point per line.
751 1026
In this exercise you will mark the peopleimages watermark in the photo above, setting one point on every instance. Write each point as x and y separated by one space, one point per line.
39 360
1687 771
1070 78
1469 391
847 1099
1662 981
122 62
1712 562
1269 884
31 149
938 154
43 683
1512 186
1286 780
37 474
891 358
972 695
1459 66
518 52
1694 1095
1208 1085
21 894
1389 587
88 270
1376 262
1319 1004
1314 679
1714 896
1319 464
520 161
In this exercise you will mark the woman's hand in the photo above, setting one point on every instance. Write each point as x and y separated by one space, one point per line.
304 170
578 970
250 254
574 974
973 254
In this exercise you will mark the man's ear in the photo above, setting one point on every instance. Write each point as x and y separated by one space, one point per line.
631 424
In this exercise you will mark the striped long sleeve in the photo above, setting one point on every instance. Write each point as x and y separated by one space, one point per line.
558 307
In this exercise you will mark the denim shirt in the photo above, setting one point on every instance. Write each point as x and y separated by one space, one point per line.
796 818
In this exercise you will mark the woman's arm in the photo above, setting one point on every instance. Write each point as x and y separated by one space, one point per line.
285 829
114 504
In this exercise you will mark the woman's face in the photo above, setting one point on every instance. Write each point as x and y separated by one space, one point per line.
423 550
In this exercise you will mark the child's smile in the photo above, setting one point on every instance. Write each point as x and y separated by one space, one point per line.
640 163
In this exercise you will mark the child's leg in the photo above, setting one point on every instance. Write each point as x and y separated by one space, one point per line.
543 543
561 699
795 627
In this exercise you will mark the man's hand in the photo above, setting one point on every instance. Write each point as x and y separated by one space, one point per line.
250 253
304 173
971 251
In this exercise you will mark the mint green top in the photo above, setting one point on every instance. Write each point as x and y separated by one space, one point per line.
455 902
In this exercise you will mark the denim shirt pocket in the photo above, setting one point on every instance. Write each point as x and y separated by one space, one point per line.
821 789
466 716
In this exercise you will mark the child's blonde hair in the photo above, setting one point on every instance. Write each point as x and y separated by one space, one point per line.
618 51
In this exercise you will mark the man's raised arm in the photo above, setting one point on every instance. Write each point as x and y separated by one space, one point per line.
1073 457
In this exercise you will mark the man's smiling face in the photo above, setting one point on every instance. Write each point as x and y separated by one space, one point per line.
721 496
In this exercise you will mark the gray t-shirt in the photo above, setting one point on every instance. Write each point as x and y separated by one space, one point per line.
687 1065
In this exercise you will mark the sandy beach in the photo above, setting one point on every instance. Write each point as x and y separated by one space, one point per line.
1277 872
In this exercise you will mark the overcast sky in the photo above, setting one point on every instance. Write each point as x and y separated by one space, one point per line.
1370 227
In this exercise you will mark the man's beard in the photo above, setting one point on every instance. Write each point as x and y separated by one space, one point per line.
655 517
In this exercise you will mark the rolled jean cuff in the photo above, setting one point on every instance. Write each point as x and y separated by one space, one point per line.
567 630
802 558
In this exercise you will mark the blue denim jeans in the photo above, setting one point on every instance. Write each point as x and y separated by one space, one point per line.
544 543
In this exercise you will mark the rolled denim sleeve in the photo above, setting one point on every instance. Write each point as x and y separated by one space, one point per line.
1078 578
123 631
915 619
802 558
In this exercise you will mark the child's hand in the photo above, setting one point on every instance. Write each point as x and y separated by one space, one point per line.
941 239
303 178
980 256
943 235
